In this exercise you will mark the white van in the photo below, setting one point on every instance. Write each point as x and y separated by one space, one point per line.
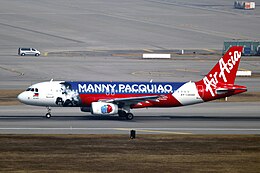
28 51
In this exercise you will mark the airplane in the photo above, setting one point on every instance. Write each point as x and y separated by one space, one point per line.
111 98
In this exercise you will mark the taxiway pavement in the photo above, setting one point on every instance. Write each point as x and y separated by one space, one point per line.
208 118
137 24
99 25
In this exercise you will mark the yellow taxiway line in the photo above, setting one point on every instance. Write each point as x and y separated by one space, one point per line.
154 131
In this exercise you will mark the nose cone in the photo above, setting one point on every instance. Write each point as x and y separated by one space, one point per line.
22 97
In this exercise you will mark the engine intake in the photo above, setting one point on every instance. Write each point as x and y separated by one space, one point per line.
102 108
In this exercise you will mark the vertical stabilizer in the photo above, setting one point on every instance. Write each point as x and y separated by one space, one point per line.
222 75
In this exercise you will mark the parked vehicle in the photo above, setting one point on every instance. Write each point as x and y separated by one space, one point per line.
28 51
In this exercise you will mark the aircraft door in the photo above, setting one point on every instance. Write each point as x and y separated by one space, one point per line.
50 94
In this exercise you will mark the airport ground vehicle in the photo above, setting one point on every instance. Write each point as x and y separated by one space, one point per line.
28 51
110 98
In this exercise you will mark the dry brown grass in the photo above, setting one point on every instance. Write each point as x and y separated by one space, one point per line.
248 96
116 153
244 97
9 97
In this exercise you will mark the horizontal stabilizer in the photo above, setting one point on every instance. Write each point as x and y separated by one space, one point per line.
225 88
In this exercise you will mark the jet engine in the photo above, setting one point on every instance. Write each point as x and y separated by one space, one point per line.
102 108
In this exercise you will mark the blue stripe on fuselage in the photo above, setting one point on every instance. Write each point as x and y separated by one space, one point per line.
125 87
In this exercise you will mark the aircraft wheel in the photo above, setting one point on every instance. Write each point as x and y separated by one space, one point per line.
129 116
48 115
122 113
68 103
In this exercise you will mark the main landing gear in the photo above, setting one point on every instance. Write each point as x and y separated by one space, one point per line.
121 113
127 115
48 114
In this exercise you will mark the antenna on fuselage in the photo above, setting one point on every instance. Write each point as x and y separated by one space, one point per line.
151 80
51 80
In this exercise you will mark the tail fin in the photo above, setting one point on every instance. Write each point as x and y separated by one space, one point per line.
226 68
223 74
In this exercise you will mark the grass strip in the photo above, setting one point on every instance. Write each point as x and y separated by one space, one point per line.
117 153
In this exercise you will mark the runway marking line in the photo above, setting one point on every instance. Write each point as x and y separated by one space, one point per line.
156 130
186 70
153 131
12 70
118 129
209 50
243 69
148 50
126 55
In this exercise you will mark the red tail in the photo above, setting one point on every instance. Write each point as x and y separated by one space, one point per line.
222 76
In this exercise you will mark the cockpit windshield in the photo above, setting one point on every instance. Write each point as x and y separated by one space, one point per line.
32 89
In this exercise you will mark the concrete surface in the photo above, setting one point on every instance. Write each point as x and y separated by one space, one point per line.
110 32
208 118
100 24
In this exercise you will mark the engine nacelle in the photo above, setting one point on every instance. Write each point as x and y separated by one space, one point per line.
102 108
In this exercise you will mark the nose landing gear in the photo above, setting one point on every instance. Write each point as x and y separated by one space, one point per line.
48 114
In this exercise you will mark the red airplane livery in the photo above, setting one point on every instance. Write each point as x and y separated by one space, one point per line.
109 98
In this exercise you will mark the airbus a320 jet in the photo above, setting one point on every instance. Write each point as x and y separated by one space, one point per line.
110 98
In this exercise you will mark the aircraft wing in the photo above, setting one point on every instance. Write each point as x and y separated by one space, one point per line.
131 100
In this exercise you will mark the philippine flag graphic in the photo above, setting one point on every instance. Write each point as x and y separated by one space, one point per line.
106 109
36 95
